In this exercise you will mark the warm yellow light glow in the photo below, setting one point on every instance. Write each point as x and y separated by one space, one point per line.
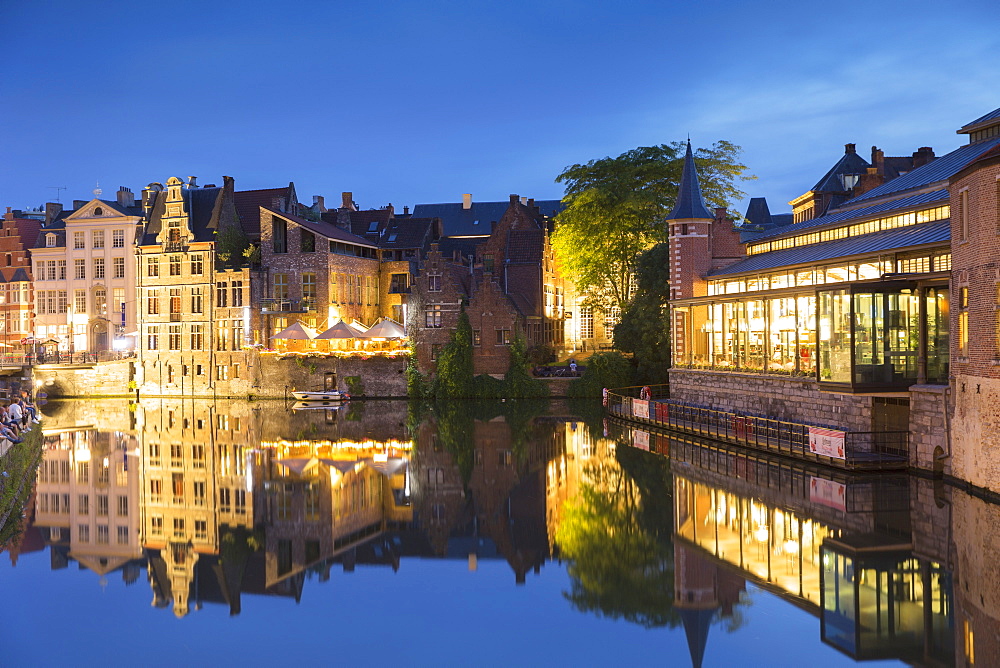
761 534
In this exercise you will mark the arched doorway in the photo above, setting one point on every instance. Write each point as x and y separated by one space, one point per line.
99 336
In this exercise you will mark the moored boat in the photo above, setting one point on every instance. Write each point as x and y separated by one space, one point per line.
332 395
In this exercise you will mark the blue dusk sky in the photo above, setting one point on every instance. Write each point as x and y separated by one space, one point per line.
419 102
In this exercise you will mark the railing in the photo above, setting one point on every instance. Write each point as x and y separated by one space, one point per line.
65 358
856 451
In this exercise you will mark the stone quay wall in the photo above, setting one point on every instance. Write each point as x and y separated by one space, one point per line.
782 397
266 376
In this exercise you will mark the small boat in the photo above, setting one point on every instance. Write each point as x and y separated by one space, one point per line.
332 395
317 405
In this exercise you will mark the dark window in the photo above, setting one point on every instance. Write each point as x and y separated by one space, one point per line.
279 229
308 240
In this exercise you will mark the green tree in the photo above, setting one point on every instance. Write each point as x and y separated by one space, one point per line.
643 330
615 209
454 364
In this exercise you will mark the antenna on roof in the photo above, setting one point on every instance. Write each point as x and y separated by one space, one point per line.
57 189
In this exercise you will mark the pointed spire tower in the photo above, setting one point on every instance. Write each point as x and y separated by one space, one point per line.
690 204
689 230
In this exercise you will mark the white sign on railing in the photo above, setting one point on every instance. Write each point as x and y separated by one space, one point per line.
640 408
829 442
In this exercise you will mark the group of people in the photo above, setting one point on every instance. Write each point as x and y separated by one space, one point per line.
16 417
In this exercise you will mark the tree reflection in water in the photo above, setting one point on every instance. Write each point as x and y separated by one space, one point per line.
616 537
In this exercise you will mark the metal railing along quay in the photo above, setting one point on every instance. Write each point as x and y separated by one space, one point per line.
852 450
31 359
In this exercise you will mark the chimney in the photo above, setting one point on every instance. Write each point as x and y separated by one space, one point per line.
878 160
392 211
922 156
125 197
9 215
192 182
531 203
406 210
319 203
524 200
77 203
467 201
514 199
849 148
871 179
347 201
52 210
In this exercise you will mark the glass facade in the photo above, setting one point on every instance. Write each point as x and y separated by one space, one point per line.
861 336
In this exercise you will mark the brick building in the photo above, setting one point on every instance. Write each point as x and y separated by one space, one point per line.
511 285
975 313
839 314
17 236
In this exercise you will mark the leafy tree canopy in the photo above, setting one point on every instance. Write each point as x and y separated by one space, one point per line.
615 209
642 330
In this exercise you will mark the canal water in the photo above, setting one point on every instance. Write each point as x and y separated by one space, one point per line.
202 532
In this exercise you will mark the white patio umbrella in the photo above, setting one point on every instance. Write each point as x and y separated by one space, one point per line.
386 329
296 331
340 330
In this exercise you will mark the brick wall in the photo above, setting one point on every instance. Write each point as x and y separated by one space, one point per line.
975 246
977 597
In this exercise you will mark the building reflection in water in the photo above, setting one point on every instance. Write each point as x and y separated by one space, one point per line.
220 499
215 500
838 546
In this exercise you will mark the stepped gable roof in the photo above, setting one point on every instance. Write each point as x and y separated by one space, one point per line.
27 229
203 206
477 219
690 202
248 203
849 163
933 197
983 121
323 228
888 240
933 172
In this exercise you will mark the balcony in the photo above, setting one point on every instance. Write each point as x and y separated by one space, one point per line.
272 305
174 247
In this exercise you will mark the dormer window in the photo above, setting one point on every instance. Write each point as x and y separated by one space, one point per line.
849 180
50 241
373 226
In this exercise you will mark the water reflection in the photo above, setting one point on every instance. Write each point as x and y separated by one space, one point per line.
211 502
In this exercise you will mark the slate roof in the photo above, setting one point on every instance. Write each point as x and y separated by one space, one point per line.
465 245
59 232
888 240
849 163
248 203
324 229
933 172
19 275
690 203
203 206
406 233
27 230
980 122
478 218
935 196
123 210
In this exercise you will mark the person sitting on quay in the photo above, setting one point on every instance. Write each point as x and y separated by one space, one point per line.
8 421
29 407
8 433
16 413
